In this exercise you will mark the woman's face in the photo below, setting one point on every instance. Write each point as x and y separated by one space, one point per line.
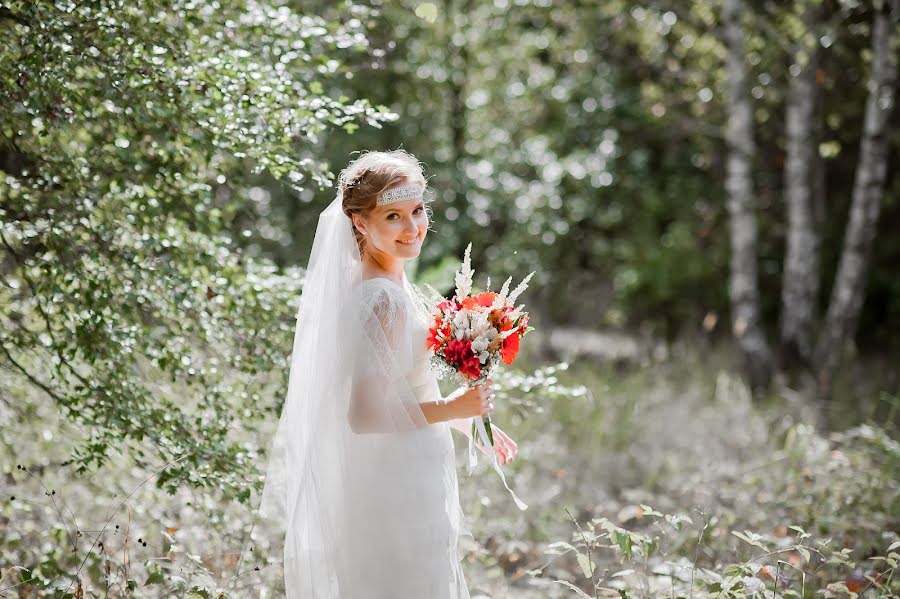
397 229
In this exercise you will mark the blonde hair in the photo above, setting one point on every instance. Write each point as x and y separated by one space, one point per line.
369 175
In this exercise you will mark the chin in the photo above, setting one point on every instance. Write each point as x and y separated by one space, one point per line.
411 251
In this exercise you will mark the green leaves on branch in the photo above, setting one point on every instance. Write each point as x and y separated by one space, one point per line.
128 131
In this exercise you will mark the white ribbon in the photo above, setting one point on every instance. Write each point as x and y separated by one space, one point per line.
473 459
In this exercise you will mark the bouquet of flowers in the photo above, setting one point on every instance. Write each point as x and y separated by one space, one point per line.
473 332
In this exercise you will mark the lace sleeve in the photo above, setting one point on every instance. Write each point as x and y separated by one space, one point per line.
383 398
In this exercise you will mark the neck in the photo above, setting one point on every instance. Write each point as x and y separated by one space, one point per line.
383 265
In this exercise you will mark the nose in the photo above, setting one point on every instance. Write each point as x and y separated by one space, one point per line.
410 226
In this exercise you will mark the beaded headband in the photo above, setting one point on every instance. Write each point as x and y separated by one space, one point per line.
412 191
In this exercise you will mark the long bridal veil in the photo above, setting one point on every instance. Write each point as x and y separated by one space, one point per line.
351 438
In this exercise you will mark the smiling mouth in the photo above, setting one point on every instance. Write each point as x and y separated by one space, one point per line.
410 242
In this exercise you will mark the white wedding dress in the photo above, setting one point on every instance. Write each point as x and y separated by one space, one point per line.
403 536
363 486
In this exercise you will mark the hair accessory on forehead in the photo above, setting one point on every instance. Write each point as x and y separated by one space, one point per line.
412 191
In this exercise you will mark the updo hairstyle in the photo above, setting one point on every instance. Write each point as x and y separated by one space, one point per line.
369 175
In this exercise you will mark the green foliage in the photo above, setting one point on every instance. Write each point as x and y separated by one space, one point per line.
588 140
155 155
128 133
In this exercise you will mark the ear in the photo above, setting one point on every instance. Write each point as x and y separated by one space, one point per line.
359 223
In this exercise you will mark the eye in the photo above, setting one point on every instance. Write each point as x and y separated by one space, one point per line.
419 209
391 216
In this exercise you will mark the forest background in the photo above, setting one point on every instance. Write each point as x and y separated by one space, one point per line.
707 192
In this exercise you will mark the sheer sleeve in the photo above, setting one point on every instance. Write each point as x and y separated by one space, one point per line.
384 397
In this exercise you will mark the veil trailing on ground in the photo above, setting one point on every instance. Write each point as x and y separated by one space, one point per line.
344 466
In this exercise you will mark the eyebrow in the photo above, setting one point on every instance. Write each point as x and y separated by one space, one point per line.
392 210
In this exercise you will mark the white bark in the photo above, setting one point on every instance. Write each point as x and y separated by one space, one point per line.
743 288
848 292
800 284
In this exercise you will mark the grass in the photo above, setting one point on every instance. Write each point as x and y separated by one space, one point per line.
682 435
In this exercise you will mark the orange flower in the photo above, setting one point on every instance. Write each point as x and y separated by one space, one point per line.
496 319
509 349
485 300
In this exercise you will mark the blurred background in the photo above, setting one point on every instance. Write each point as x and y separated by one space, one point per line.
707 191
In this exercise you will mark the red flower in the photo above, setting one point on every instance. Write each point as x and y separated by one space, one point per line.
433 341
458 351
459 354
509 349
471 367
438 333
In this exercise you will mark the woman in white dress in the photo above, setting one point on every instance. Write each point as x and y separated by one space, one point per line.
362 471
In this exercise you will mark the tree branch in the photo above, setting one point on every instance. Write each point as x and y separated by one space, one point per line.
6 14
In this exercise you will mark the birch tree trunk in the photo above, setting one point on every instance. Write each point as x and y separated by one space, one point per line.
800 284
743 288
850 281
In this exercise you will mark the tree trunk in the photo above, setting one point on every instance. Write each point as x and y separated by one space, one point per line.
868 187
800 284
743 287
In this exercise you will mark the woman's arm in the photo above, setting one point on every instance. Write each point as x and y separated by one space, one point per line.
463 425
457 409
439 411
382 397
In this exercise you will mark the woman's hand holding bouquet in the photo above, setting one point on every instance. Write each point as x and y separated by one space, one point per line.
471 334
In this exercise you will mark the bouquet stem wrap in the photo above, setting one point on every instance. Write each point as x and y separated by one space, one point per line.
487 427
479 425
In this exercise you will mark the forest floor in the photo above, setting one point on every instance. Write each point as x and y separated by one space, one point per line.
682 437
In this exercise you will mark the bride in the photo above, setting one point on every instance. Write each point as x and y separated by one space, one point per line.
362 470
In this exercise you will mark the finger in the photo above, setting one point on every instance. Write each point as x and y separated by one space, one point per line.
510 454
502 447
507 440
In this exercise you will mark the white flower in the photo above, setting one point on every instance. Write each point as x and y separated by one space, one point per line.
479 345
461 321
464 274
491 333
483 356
